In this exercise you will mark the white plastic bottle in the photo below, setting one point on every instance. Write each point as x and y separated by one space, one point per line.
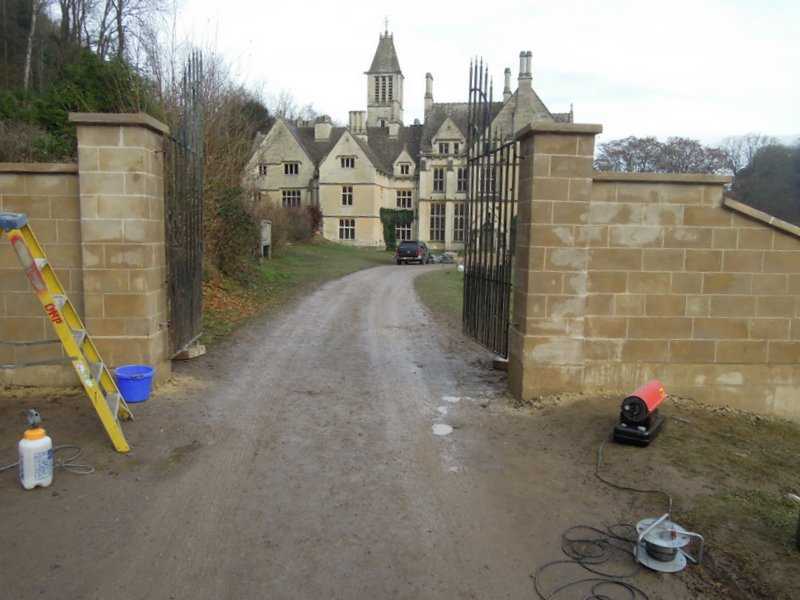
35 459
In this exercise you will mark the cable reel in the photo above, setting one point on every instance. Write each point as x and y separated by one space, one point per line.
662 545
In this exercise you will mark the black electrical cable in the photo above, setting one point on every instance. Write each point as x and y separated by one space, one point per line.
597 547
625 488
590 552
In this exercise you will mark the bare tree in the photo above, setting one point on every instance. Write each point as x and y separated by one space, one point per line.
73 19
5 40
629 154
684 155
119 19
36 6
307 112
676 155
103 34
740 149
122 27
284 105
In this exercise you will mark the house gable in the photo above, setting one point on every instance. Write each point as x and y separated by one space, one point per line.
448 131
278 146
404 158
521 109
331 170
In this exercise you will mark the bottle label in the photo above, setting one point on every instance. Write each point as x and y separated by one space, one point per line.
43 464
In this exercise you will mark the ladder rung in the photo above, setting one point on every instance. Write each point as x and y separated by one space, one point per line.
59 300
112 399
79 336
96 369
41 263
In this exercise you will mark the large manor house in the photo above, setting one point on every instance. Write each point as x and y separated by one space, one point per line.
378 161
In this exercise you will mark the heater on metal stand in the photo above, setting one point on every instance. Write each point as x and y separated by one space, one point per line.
639 420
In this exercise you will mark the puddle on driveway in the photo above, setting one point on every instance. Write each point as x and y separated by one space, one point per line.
442 429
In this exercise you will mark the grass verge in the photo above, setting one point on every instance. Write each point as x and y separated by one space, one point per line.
295 269
740 468
442 291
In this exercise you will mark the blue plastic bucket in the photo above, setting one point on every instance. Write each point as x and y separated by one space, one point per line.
135 382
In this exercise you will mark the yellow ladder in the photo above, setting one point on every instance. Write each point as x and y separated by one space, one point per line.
92 371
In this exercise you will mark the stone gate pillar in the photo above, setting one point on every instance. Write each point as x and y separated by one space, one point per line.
546 345
121 182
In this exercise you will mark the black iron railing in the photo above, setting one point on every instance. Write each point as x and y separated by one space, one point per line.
184 210
490 219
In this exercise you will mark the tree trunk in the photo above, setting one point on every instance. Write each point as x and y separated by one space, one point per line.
41 65
79 21
120 29
29 50
102 35
65 19
5 43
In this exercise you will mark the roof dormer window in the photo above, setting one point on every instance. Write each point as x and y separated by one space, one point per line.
444 147
348 162
405 169
291 168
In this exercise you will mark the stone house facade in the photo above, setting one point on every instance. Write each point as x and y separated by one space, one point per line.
377 161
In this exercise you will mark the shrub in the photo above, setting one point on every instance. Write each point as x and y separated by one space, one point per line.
315 214
391 218
299 224
235 236
280 222
24 142
288 224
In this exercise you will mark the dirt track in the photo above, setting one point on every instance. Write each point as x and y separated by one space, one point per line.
297 460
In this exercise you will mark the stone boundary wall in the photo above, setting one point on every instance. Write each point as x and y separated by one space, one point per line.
101 222
48 193
623 277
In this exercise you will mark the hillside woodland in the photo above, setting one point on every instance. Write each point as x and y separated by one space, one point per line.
118 56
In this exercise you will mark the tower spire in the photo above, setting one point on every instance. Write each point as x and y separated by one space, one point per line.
384 83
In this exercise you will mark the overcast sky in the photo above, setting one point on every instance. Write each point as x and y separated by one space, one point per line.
702 68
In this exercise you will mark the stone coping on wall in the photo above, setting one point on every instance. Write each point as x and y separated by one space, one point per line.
124 119
39 168
758 215
693 178
553 127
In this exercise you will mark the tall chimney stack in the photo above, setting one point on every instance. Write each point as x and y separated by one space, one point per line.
428 92
507 86
525 77
357 124
322 128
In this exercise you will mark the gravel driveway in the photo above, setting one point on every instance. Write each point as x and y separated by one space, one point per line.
298 460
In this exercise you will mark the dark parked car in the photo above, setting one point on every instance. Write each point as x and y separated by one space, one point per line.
412 251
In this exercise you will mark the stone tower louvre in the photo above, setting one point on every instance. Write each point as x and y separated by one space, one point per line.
384 85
